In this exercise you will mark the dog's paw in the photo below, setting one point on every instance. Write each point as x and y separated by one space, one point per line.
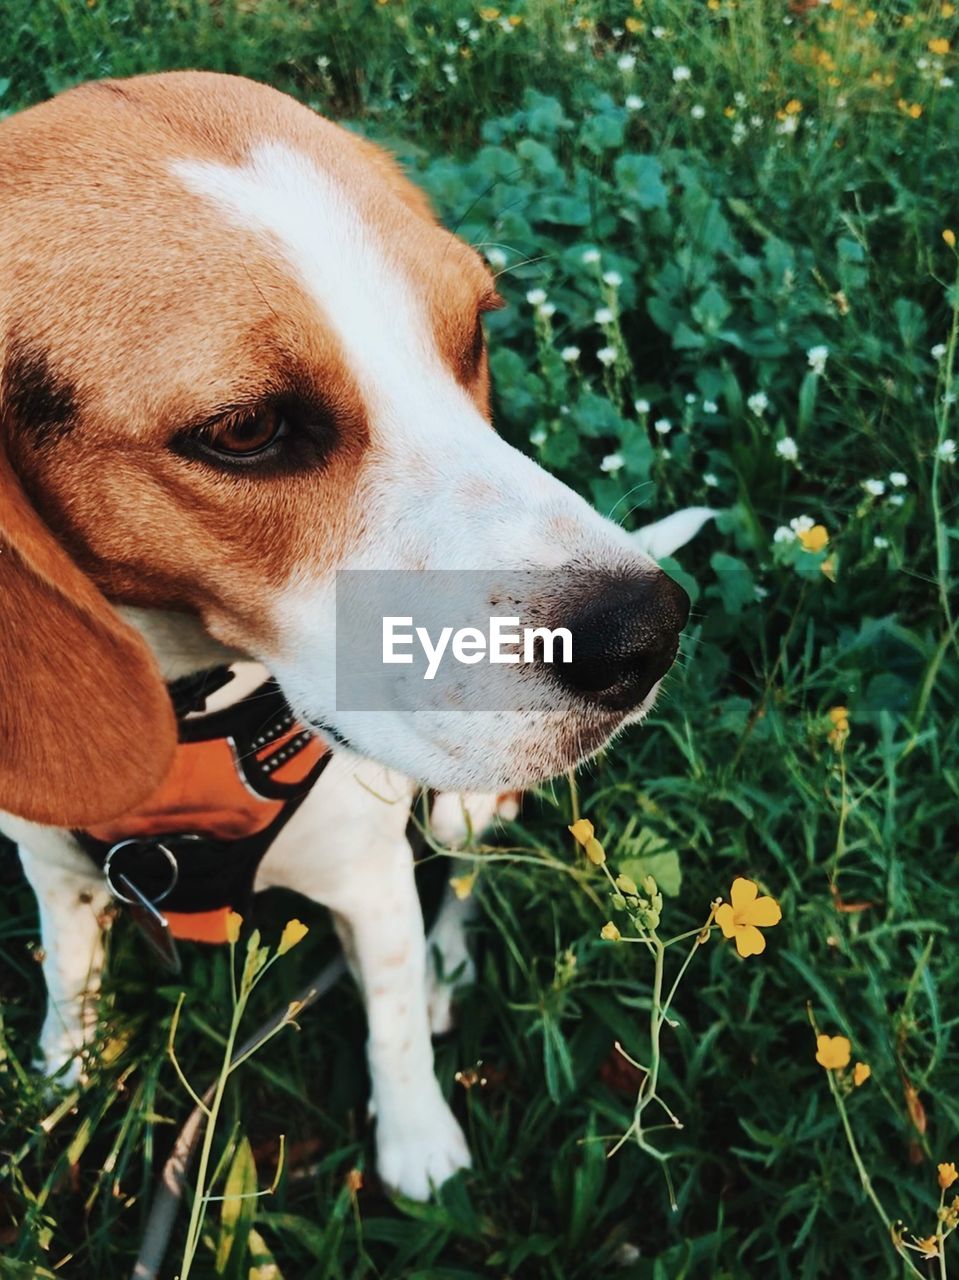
417 1153
60 1061
447 970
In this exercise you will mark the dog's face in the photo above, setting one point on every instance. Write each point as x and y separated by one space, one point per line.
238 355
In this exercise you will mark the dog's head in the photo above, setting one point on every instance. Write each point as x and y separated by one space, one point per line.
239 354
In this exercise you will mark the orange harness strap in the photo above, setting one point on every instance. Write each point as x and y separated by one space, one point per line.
194 847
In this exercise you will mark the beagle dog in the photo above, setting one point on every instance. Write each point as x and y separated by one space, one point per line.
238 354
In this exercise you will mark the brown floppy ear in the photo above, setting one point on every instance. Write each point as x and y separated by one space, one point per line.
86 727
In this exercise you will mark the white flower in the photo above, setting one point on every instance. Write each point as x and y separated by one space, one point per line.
801 524
462 24
658 33
898 479
739 133
506 25
663 426
896 499
538 436
787 448
641 406
947 451
603 316
536 297
922 64
759 592
783 534
450 72
946 82
880 542
817 357
547 310
496 258
938 351
634 102
739 98
789 125
612 463
756 122
690 397
570 46
710 406
697 111
606 356
874 487
710 480
612 278
626 62
758 403
569 354
450 48
590 257
681 73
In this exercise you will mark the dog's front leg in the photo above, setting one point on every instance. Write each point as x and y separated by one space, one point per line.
346 848
72 897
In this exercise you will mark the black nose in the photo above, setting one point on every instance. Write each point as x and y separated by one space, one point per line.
624 640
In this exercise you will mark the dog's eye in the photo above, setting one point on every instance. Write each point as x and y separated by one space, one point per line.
245 435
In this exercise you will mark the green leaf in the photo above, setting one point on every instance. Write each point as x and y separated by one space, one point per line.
651 856
640 178
237 1214
711 309
262 1263
807 400
737 587
602 133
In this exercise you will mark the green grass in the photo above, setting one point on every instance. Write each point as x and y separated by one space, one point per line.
741 243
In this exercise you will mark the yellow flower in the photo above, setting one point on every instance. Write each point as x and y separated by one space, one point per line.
947 1175
928 1247
747 914
939 45
948 10
950 237
814 539
582 831
489 15
839 716
234 923
462 886
515 19
911 109
833 1052
635 25
793 107
712 4
294 931
729 112
861 1073
828 569
609 932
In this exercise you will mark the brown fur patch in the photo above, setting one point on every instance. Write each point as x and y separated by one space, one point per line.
139 310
